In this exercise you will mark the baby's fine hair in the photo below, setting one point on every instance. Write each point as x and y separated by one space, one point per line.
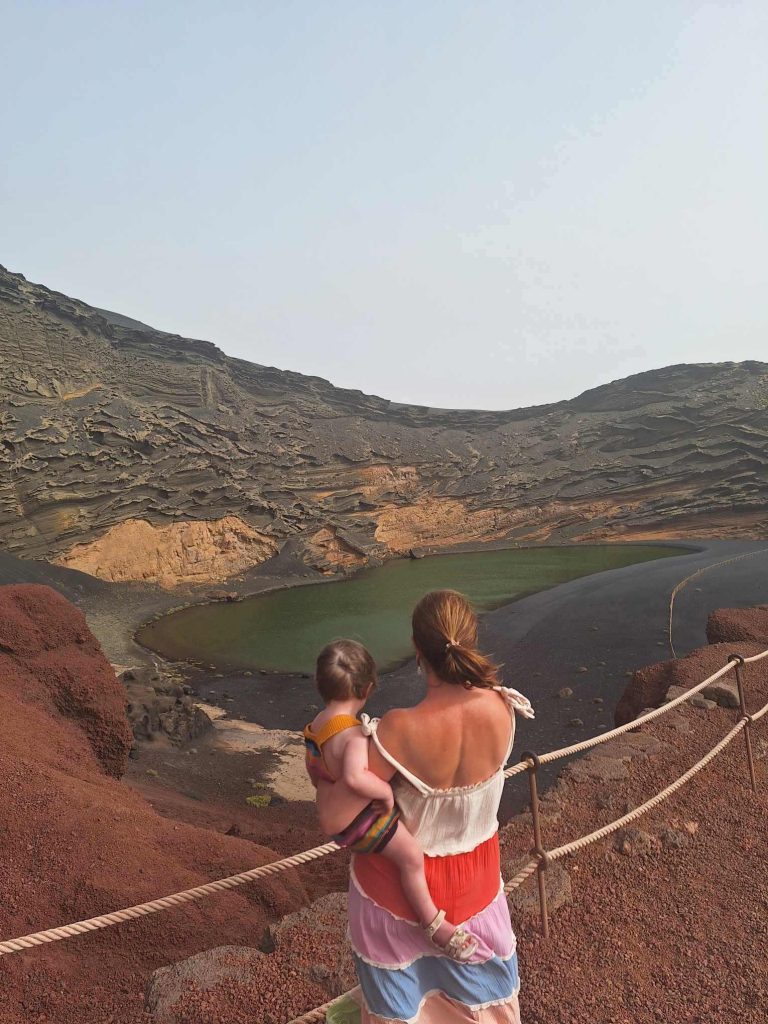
345 670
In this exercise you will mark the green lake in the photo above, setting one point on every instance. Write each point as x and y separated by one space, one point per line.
283 630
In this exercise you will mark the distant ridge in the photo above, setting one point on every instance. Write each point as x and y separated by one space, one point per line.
108 421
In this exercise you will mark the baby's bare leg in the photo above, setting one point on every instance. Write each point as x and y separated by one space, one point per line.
406 854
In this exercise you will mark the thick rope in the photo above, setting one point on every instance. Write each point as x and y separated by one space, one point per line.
318 1015
606 830
603 737
166 902
522 875
756 657
233 881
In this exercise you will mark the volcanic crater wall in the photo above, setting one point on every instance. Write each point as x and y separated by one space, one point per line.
107 422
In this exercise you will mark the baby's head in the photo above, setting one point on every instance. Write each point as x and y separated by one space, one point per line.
345 671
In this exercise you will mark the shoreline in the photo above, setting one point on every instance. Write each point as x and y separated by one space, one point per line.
281 703
543 639
341 578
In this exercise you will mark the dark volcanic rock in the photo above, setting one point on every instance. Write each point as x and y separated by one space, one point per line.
109 425
158 704
648 686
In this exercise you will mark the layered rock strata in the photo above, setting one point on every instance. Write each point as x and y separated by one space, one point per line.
116 437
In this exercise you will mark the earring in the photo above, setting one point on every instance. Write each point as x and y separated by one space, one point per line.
418 667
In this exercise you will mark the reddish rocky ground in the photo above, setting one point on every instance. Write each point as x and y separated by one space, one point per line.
665 924
76 842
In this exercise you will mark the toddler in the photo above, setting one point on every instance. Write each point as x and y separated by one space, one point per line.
337 750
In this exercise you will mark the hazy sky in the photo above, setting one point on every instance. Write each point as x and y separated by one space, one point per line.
485 203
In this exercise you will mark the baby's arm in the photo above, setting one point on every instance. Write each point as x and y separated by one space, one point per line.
359 777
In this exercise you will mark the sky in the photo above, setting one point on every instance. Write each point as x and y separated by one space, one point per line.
458 203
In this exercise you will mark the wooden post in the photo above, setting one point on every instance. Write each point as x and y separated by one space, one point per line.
740 664
538 849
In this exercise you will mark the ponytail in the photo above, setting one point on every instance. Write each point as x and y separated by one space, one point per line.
445 633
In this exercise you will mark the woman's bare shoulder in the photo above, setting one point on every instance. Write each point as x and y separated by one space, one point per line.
395 723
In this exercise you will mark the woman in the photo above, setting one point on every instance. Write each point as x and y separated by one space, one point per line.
445 757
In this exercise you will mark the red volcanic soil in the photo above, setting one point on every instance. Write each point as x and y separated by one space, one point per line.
76 842
738 626
673 929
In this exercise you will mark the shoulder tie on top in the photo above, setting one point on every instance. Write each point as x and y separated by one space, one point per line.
370 728
515 701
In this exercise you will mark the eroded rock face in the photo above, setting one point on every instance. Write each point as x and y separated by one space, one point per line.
193 552
77 842
107 423
330 551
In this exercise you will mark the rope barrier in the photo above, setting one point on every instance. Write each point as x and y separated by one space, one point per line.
603 737
318 1014
233 881
614 826
166 902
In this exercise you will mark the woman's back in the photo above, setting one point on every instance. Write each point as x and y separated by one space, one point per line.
448 753
453 738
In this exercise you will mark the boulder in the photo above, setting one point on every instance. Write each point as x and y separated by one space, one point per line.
524 901
700 702
211 972
724 692
634 841
322 923
650 686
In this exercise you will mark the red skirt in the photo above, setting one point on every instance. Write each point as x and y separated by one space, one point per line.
462 884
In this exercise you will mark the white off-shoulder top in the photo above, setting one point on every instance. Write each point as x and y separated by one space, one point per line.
456 820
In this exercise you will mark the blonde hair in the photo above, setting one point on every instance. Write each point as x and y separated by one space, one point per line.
445 634
345 669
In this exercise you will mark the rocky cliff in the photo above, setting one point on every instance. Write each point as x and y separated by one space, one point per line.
116 437
78 842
